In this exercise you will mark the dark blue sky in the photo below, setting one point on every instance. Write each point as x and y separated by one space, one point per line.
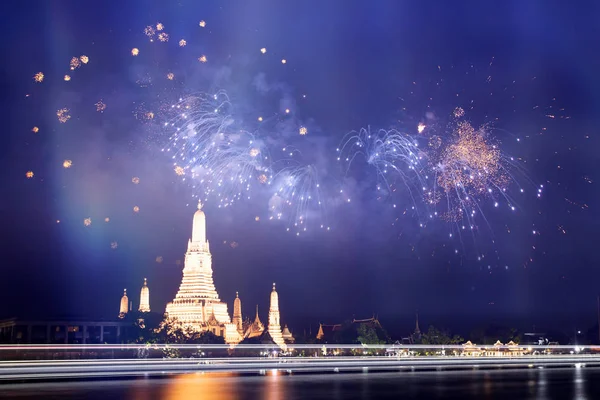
356 62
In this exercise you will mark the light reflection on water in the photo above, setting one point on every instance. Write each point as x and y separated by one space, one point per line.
532 383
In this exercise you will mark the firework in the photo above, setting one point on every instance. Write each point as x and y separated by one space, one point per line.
170 76
469 172
395 156
297 198
163 37
202 59
135 51
160 26
114 245
100 106
421 127
136 209
303 131
150 32
135 180
63 115
67 78
182 43
263 50
260 119
202 24
39 77
75 63
35 129
106 219
84 59
159 259
206 150
29 174
67 164
284 61
87 221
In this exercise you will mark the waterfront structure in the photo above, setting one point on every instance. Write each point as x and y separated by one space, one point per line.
237 314
197 304
144 298
274 319
253 329
287 335
124 307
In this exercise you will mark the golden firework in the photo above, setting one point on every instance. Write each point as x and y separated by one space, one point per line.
421 127
202 24
179 171
160 26
63 115
135 180
84 59
257 218
39 77
136 209
67 163
202 59
303 131
135 51
87 221
262 178
458 112
260 119
149 115
35 129
100 106
67 78
182 43
284 61
254 152
263 50
149 31
170 76
163 37
29 174
75 63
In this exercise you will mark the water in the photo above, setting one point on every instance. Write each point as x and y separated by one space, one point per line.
572 383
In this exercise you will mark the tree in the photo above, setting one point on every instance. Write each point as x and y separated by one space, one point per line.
440 337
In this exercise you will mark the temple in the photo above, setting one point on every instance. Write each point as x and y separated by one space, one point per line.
144 298
197 304
253 329
124 308
237 314
274 324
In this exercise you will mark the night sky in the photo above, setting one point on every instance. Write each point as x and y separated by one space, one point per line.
528 68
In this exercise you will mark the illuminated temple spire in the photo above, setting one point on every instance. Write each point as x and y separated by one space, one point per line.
197 304
124 304
237 313
145 298
274 324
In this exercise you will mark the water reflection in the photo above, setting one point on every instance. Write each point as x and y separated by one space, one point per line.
213 386
275 386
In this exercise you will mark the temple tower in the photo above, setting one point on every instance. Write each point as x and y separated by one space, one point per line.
124 308
237 314
197 303
144 298
274 324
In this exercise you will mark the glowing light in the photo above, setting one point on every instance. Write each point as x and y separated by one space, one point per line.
114 245
260 119
29 174
84 59
75 63
287 110
257 218
303 130
182 43
67 164
39 77
87 221
163 37
136 209
106 219
100 106
160 26
179 171
254 152
67 78
170 76
35 129
459 112
284 61
135 180
63 115
263 50
202 24
149 32
421 127
135 51
159 259
202 59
